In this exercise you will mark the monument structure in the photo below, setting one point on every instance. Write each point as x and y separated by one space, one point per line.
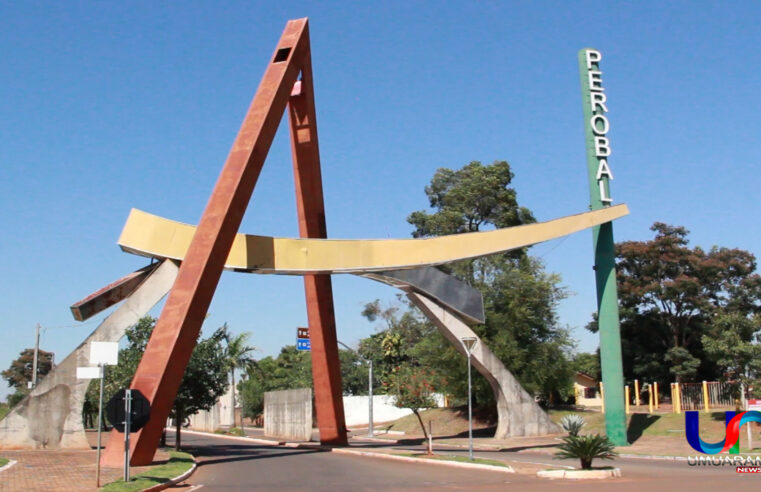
203 252
596 129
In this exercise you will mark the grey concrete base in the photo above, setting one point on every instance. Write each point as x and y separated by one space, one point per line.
518 413
51 415
288 414
580 474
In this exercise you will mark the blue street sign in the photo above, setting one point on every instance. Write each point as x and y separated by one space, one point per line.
303 344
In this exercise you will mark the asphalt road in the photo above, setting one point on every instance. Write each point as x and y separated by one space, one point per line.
226 464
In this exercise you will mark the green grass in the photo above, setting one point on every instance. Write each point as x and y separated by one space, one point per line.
178 464
446 422
460 459
3 462
232 431
657 424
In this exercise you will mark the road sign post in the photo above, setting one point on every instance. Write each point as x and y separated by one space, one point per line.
127 420
128 411
303 341
101 353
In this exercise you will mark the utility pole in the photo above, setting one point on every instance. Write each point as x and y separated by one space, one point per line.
34 362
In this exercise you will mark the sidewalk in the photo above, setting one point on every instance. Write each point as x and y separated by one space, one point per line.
68 470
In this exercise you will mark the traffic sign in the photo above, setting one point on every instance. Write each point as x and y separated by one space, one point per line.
302 332
303 344
140 411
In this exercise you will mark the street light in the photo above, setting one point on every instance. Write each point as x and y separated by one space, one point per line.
370 432
469 343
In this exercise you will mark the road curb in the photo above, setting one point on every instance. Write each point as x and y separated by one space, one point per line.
236 438
265 442
409 459
301 445
580 474
653 457
8 465
175 480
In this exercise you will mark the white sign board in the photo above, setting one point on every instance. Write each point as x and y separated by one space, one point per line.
754 405
88 372
104 353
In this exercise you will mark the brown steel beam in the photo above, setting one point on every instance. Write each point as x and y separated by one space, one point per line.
166 356
326 367
111 294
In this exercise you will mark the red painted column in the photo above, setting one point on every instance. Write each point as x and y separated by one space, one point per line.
326 368
167 354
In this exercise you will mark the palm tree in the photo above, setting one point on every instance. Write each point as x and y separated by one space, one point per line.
238 356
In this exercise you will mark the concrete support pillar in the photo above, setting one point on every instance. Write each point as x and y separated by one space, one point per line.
518 413
51 416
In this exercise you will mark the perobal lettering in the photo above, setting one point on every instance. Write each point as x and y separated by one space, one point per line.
599 122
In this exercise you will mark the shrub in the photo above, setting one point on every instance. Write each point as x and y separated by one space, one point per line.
586 448
572 424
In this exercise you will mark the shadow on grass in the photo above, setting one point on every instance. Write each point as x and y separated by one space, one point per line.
637 425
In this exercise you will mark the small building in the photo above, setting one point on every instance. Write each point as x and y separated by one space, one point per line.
587 390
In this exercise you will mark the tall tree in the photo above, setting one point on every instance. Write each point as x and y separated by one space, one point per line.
238 355
204 380
671 295
19 374
291 369
735 346
520 298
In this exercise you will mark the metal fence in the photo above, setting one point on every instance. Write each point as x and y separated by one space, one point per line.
719 395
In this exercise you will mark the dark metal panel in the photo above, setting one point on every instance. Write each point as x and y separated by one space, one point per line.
445 289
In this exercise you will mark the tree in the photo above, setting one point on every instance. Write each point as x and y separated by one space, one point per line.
469 198
520 298
735 347
204 380
19 374
671 295
587 363
586 448
292 369
237 356
412 388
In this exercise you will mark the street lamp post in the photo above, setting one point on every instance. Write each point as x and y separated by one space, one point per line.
469 343
370 432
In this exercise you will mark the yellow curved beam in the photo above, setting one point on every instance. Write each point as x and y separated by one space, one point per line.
153 236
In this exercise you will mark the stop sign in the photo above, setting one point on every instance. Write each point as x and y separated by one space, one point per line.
140 410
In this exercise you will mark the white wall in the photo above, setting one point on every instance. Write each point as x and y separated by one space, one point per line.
356 409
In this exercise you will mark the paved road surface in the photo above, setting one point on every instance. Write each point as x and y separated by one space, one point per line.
234 465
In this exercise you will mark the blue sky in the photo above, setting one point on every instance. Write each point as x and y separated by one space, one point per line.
112 105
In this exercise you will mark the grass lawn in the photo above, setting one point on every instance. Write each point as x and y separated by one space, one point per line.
461 459
3 462
446 422
657 424
661 433
178 464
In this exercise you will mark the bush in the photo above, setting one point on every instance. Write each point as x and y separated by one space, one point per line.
586 448
572 424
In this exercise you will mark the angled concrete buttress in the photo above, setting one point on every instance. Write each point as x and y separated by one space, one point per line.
519 414
51 416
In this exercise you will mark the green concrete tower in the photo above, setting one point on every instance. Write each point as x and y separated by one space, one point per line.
596 127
